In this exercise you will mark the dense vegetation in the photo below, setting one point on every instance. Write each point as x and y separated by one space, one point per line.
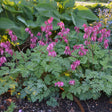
55 48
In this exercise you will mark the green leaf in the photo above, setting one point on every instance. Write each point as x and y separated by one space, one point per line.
63 95
6 23
22 20
68 3
47 79
1 9
70 96
83 59
86 13
78 20
28 12
45 7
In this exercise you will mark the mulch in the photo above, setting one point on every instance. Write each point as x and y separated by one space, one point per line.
103 104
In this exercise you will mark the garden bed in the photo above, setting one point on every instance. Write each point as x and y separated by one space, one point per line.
103 104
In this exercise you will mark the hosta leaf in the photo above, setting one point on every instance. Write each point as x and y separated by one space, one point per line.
68 3
78 20
1 9
86 13
6 23
22 20
44 7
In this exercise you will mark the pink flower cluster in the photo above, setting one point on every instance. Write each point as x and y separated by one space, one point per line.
92 32
2 60
72 82
61 84
50 50
64 31
47 28
12 36
41 43
67 50
76 29
75 64
5 47
33 38
82 51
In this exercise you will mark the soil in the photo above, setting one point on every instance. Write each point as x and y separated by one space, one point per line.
103 104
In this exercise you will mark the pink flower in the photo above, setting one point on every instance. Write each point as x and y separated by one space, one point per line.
42 28
84 25
33 40
31 35
59 84
8 43
67 50
13 38
100 39
29 32
75 64
32 45
76 47
72 82
80 53
38 34
50 46
1 51
106 43
27 29
50 20
86 42
41 43
56 40
52 53
3 45
108 33
61 24
85 36
10 52
3 60
93 38
10 32
76 29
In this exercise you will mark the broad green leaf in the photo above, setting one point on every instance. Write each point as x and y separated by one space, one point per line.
6 23
1 9
22 20
12 9
28 12
68 3
78 20
49 13
44 7
65 16
86 13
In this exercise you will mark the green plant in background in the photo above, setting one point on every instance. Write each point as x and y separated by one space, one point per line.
59 66
16 16
105 16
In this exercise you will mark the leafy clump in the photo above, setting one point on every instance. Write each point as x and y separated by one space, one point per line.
59 66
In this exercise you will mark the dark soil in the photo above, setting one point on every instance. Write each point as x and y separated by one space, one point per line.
103 104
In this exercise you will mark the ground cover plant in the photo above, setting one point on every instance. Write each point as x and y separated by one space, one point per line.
59 66
50 52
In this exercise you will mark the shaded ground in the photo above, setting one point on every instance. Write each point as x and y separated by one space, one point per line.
103 104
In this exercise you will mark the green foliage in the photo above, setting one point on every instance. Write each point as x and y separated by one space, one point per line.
16 16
